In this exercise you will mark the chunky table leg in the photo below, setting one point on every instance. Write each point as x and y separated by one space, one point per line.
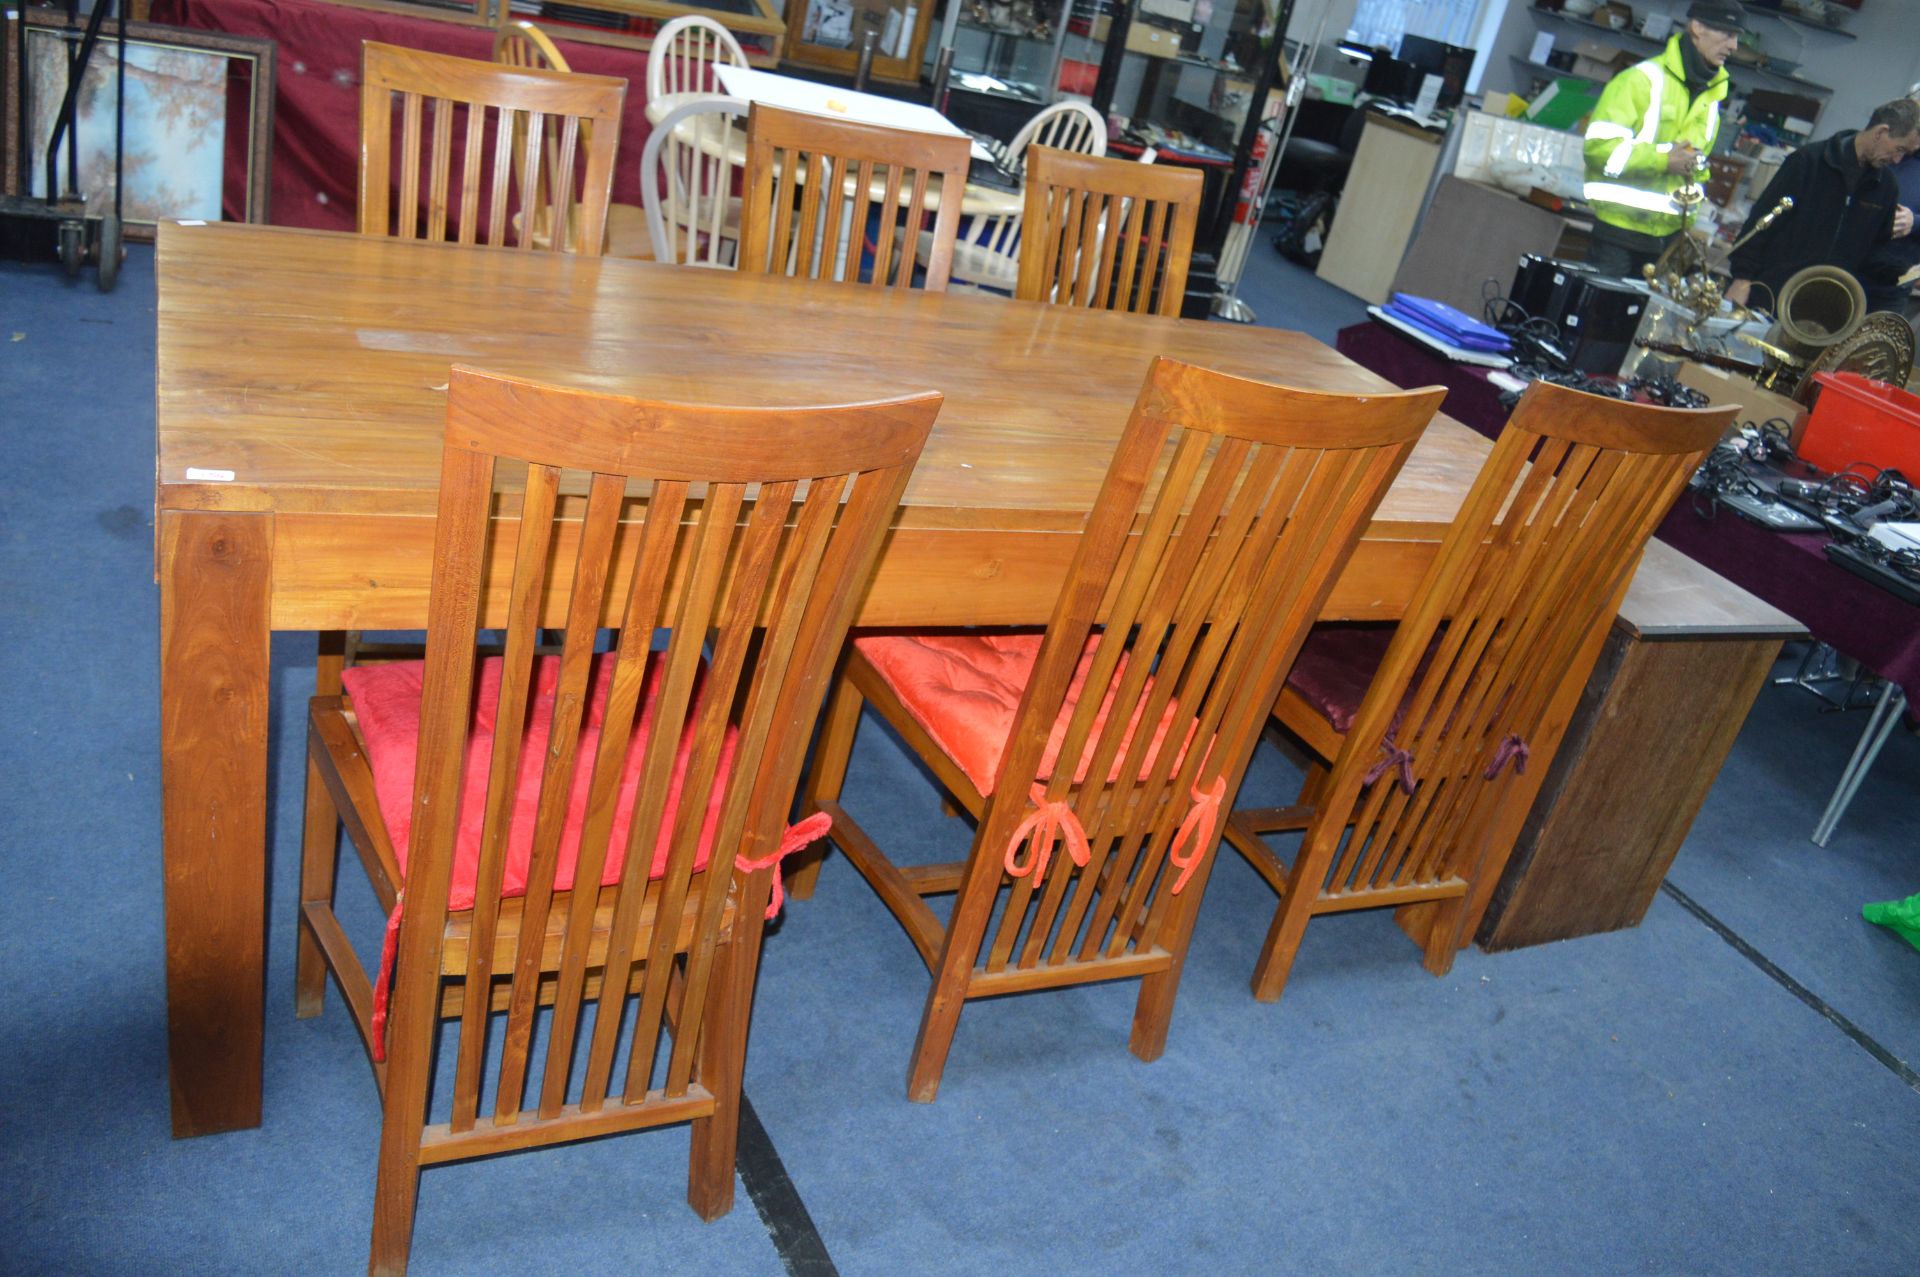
214 572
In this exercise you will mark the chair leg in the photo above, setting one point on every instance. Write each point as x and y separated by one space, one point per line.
938 1023
319 854
396 1192
972 909
1443 935
1314 787
1289 923
825 779
1153 1011
716 1139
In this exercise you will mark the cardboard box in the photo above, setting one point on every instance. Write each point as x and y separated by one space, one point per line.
1617 16
1593 60
1155 42
1756 405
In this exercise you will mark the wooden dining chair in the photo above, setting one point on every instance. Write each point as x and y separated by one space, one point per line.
818 187
481 793
684 53
513 119
522 44
1107 233
987 252
689 170
1429 775
1094 841
515 175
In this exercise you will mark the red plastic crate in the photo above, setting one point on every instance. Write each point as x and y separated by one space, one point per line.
1857 420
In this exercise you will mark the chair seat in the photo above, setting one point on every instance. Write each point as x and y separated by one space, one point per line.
627 234
965 690
1336 666
977 264
386 705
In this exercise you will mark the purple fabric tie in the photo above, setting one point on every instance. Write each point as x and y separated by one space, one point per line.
1512 749
1402 759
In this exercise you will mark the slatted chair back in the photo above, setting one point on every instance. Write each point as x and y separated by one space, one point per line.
505 123
689 169
824 194
1254 497
1482 674
758 533
1065 126
684 53
988 249
522 44
1106 233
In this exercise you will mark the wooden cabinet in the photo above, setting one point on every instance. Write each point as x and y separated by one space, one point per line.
829 34
1386 189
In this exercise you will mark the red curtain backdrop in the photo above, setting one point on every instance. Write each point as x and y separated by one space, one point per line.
316 120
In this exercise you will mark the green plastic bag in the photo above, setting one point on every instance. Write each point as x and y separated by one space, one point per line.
1900 916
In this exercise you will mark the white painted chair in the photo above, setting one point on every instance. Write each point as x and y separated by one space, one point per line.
683 55
987 254
687 172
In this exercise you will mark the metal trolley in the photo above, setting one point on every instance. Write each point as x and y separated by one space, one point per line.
58 225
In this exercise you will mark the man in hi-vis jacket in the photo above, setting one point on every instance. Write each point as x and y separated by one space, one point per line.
1653 123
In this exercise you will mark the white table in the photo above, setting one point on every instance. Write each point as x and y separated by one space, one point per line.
793 94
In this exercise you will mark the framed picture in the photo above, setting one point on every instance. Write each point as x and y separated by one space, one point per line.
198 131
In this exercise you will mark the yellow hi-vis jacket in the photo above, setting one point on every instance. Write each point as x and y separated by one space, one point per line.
1643 113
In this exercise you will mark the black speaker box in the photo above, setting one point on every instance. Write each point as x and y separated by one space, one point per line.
1599 317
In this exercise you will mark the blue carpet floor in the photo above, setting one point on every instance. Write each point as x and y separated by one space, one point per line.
1650 1101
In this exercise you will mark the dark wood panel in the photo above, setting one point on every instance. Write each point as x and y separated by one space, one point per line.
1653 728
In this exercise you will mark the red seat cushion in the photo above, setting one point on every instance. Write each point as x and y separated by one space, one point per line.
386 701
965 688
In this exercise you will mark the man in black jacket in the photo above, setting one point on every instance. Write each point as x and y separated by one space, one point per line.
1845 204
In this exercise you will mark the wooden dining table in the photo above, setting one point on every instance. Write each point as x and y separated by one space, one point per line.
300 400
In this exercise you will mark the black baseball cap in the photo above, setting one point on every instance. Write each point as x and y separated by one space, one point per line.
1727 15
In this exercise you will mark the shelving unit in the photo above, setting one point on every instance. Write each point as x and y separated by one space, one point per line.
1744 75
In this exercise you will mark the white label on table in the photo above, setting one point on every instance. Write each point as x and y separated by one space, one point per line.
415 343
196 474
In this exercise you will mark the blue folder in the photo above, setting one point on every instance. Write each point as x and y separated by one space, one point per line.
1449 325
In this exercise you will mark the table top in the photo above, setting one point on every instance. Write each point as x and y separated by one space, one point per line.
312 367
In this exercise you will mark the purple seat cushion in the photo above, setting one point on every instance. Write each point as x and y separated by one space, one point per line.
1336 666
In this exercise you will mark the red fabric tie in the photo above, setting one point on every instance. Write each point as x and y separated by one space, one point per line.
383 983
1513 749
1054 818
797 836
1196 832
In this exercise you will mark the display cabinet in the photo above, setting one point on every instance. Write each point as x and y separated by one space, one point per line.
1008 48
757 24
829 34
1183 79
